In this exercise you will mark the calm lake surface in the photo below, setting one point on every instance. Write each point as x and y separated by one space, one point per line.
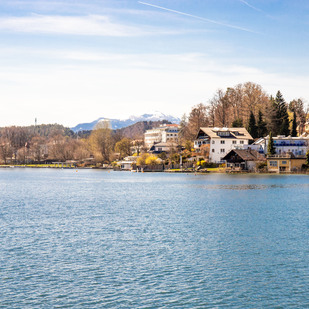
98 239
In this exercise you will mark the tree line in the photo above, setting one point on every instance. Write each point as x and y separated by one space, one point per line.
247 105
55 143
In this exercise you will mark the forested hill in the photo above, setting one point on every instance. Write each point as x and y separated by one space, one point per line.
137 130
23 134
19 136
134 131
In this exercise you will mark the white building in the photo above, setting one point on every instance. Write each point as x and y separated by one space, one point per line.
221 140
166 133
166 147
127 162
284 144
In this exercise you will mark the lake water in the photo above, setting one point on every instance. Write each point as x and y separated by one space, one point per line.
98 239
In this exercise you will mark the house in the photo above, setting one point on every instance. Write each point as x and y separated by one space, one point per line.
284 144
220 141
164 147
285 163
128 163
164 134
243 159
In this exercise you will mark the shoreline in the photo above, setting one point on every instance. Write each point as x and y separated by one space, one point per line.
165 171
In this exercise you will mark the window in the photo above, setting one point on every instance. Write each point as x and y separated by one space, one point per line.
284 162
234 142
225 133
213 142
222 142
222 150
273 163
241 142
213 150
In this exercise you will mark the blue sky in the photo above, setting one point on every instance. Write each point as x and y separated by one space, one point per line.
75 61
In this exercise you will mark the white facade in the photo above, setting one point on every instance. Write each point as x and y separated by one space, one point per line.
284 144
221 140
166 147
127 162
219 148
167 133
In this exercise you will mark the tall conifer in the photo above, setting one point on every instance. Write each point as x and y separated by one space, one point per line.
271 150
261 126
252 128
294 126
282 115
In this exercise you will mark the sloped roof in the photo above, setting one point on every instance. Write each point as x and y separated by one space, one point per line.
166 144
238 133
246 155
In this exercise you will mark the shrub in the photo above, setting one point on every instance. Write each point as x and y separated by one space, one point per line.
151 160
261 165
142 159
147 159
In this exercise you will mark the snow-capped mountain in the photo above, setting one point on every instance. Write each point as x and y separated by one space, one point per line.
121 123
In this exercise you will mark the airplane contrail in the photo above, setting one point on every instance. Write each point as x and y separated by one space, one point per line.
197 17
250 6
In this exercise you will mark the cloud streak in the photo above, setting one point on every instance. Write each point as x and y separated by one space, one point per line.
93 25
198 17
250 6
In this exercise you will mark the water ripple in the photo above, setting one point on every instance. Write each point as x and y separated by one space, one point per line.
122 240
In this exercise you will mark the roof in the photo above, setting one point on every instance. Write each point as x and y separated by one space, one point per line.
238 133
246 155
130 158
170 125
288 155
166 144
294 138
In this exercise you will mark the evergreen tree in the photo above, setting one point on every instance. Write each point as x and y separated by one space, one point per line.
278 116
271 150
294 126
237 123
282 115
252 128
272 114
285 126
261 126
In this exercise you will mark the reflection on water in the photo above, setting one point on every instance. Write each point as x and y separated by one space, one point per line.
250 187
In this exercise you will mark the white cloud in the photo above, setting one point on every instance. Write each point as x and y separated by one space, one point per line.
74 25
88 85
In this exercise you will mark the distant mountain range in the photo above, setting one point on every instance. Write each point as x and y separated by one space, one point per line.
122 123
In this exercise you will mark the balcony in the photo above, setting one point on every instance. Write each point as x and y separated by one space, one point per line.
289 145
198 143
285 155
